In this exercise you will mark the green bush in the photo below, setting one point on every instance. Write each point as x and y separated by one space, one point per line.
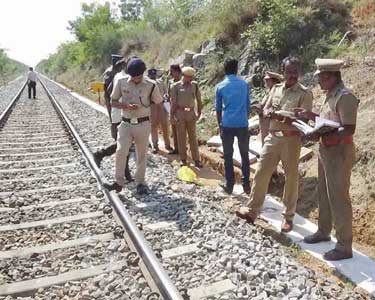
297 27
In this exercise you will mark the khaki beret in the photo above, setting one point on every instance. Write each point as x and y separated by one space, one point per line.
274 75
188 71
327 65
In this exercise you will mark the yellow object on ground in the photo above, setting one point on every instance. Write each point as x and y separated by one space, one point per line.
97 86
186 174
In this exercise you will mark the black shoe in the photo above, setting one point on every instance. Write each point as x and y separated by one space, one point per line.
155 149
98 157
198 164
128 177
246 188
183 163
113 187
228 190
142 189
173 152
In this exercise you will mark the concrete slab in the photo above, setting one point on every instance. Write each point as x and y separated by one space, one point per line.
35 284
48 204
40 168
216 288
37 160
178 251
160 225
55 246
360 269
44 190
48 222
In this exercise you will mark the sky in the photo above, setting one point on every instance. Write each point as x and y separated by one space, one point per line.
31 30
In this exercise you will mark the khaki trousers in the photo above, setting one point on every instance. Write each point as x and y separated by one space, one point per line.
335 164
174 135
286 149
127 133
186 124
159 118
264 128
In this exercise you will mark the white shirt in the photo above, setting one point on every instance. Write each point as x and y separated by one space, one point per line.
116 112
31 76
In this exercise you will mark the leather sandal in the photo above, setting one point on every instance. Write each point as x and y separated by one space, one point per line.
246 214
287 226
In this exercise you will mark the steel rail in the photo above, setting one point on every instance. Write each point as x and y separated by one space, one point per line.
9 107
164 284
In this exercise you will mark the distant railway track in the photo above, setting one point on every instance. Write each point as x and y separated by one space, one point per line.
57 225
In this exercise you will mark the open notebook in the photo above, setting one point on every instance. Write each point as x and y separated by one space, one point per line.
321 126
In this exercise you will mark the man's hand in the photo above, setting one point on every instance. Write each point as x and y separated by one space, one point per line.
269 112
257 108
131 107
302 113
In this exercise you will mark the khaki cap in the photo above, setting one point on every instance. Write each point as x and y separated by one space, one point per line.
328 65
274 75
188 71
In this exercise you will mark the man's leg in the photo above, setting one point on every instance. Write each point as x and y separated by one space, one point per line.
181 134
338 162
29 90
243 137
175 139
141 134
154 126
124 142
290 159
165 130
34 90
228 139
269 159
191 128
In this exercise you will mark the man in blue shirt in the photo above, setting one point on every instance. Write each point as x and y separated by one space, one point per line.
232 111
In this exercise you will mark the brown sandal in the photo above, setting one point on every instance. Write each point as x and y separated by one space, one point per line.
246 214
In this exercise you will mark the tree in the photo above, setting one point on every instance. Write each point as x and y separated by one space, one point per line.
132 10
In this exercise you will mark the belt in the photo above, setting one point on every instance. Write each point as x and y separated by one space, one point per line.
136 120
335 140
185 108
286 133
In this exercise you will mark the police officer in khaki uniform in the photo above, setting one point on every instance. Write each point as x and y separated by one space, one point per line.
176 74
111 74
184 94
137 93
283 143
159 117
336 159
270 79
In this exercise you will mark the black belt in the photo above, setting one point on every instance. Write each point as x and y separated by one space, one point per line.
136 120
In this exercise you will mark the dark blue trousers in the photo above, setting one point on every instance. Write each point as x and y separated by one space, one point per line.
227 136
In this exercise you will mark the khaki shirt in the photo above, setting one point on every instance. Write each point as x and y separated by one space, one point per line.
282 98
340 105
142 94
185 94
162 87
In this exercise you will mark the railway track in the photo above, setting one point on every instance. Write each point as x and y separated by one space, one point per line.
60 234
63 237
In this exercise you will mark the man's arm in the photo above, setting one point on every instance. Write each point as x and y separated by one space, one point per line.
199 101
218 106
173 99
